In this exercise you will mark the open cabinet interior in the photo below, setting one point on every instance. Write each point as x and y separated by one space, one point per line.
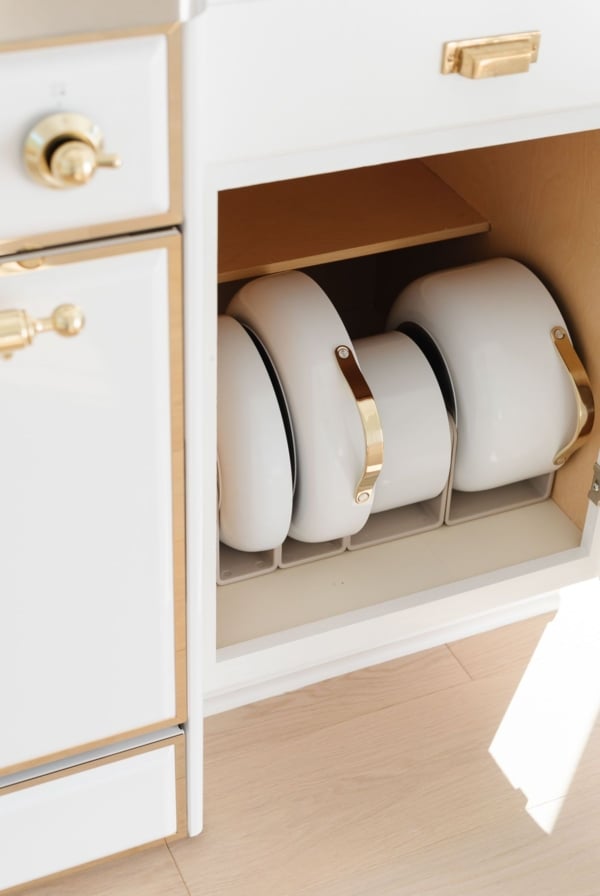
363 236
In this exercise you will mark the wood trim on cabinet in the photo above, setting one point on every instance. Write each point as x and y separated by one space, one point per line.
178 472
181 789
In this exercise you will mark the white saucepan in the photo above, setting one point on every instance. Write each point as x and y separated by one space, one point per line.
301 330
414 420
494 324
255 469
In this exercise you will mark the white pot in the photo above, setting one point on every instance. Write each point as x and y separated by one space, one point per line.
301 330
492 323
255 470
414 420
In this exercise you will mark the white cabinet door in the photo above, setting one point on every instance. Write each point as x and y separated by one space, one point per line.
87 619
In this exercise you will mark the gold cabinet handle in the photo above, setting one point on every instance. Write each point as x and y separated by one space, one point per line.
583 394
64 150
488 57
371 423
18 329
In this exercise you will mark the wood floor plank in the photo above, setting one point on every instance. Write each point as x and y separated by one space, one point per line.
505 856
496 650
148 872
397 796
348 798
402 801
333 701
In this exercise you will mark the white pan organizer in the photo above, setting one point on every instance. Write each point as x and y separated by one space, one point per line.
469 350
518 405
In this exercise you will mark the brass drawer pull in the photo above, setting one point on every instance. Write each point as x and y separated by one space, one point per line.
488 57
369 416
583 394
18 329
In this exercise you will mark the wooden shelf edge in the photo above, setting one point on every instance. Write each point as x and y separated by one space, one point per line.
298 223
306 261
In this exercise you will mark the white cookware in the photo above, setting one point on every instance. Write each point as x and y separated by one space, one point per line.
301 330
493 323
414 420
255 470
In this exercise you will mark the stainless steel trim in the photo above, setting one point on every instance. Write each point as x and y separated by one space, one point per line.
594 493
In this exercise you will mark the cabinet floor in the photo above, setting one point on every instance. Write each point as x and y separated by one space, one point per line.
382 782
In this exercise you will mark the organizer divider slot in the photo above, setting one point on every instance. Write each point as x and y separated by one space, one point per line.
464 506
295 552
232 565
400 522
412 519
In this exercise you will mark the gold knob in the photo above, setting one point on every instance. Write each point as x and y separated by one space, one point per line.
18 329
74 163
66 320
64 150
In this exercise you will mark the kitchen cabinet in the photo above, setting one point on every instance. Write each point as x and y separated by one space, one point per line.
92 528
281 99
326 94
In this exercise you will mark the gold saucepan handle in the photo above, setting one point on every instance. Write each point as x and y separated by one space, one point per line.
371 423
583 394
18 329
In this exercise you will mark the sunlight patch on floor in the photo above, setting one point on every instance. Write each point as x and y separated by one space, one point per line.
544 732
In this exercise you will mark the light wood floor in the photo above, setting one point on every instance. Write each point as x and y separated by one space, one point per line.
379 783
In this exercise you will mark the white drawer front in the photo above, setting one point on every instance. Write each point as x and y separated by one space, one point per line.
295 75
122 87
86 536
57 824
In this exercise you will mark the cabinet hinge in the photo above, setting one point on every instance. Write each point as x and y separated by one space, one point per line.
594 494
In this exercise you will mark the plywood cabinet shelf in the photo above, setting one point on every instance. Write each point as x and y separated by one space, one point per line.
297 223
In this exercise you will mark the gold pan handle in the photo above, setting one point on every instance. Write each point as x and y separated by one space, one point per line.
371 423
583 394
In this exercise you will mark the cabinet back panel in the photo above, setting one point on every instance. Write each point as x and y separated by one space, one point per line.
542 198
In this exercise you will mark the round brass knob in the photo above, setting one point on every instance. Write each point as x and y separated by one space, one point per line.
67 320
73 163
64 151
